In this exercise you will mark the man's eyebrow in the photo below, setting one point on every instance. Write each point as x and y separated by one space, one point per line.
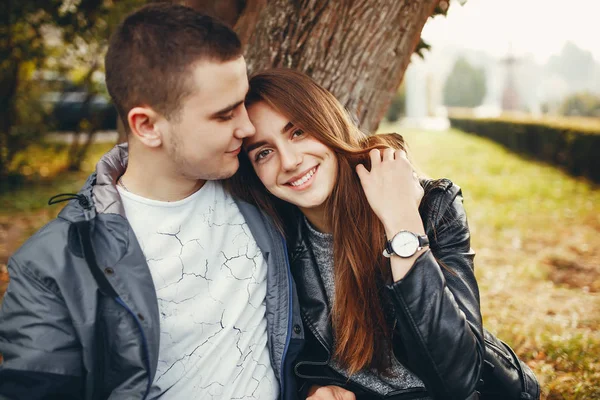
227 109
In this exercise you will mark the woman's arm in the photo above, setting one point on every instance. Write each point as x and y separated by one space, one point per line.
438 320
394 193
435 294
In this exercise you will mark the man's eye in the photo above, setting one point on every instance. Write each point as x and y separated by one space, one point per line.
262 154
297 133
226 117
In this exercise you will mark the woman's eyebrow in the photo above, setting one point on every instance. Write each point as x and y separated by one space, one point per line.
287 127
255 145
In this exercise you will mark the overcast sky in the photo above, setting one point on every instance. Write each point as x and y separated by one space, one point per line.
538 27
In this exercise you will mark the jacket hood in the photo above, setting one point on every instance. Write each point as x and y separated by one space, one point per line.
99 194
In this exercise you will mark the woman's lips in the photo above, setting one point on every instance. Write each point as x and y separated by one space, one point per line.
311 177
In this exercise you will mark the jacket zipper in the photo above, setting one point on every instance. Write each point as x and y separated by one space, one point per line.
144 343
514 360
499 352
290 316
89 215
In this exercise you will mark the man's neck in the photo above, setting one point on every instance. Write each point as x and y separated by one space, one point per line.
156 182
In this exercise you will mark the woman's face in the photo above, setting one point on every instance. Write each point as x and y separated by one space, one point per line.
292 164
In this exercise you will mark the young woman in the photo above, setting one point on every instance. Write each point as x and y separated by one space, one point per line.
381 259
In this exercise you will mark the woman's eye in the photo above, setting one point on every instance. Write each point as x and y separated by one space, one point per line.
262 154
226 117
297 133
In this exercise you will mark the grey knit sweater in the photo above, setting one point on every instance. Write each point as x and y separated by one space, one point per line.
401 378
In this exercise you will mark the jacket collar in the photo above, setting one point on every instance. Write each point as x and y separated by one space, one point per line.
311 290
100 188
108 170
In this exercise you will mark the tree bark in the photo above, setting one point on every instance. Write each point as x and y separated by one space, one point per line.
357 49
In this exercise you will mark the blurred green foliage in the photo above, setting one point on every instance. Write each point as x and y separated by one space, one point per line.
43 173
397 107
43 41
465 85
583 104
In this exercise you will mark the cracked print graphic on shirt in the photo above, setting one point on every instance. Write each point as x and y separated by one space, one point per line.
210 280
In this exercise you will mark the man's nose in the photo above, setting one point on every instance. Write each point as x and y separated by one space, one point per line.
245 127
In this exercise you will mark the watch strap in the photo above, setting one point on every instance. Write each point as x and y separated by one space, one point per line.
388 251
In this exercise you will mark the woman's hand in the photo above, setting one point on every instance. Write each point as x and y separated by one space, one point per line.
393 190
317 392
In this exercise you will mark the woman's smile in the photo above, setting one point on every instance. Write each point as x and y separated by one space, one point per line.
304 181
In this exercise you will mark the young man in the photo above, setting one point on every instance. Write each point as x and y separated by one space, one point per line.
153 282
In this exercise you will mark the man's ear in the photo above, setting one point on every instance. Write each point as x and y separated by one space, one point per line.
143 124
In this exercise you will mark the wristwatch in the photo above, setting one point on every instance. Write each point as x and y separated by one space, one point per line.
405 244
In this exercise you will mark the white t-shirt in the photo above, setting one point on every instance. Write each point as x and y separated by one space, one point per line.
210 279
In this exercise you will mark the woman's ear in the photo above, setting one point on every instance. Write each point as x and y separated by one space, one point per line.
143 122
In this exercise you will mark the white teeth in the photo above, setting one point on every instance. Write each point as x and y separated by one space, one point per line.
305 178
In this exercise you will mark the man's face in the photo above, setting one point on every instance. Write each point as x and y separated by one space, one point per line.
205 137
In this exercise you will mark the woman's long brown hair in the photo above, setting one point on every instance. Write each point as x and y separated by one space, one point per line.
362 335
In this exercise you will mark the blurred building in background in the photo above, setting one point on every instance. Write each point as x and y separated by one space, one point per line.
530 65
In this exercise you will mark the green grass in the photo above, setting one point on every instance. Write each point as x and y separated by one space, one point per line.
535 229
44 175
536 232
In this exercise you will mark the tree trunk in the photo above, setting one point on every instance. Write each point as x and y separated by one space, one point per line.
357 49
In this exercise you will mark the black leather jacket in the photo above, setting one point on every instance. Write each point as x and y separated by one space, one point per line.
438 332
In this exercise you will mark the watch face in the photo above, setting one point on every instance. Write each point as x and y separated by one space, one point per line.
405 244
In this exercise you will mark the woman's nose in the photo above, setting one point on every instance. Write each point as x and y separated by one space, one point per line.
290 159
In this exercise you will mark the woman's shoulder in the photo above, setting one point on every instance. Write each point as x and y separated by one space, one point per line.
440 196
439 189
437 186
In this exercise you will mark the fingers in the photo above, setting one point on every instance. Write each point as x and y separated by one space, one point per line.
388 154
375 156
330 393
398 154
378 157
361 171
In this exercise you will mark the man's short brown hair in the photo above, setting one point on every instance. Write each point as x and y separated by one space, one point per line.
150 54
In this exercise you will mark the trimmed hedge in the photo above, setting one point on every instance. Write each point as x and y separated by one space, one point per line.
573 147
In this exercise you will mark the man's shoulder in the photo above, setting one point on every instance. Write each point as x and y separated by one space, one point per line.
45 244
